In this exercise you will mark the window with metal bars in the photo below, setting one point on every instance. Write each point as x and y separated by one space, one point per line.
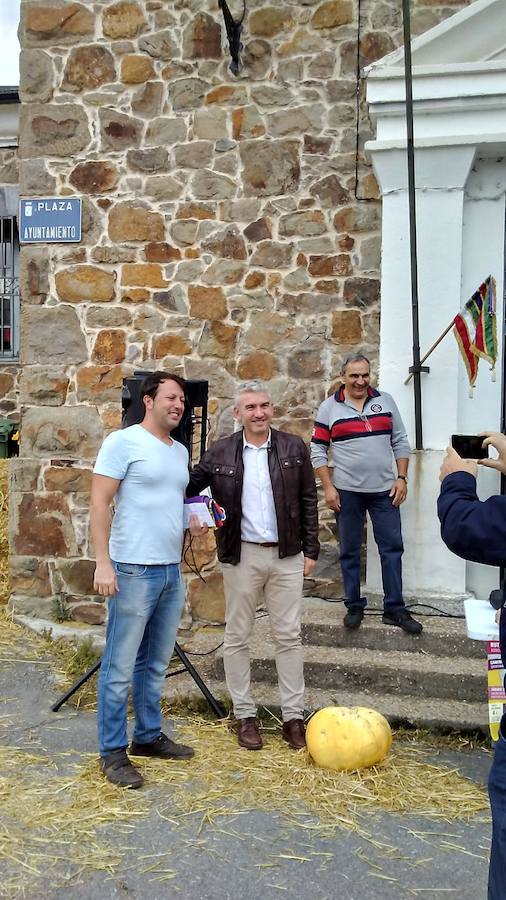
9 288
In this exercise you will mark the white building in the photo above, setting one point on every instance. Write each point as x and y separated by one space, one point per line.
459 92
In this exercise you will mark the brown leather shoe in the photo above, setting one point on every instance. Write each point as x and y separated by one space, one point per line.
294 734
248 735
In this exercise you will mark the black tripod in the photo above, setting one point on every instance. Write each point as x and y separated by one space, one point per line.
133 413
211 699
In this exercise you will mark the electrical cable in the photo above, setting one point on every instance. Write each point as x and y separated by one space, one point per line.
357 102
208 652
439 614
194 569
357 111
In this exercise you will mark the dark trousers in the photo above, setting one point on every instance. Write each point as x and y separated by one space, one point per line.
497 794
386 523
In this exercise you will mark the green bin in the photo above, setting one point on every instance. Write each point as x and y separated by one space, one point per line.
6 429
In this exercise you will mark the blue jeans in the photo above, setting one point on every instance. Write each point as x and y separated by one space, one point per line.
497 794
386 523
141 632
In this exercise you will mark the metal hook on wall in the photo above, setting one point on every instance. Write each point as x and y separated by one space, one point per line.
234 29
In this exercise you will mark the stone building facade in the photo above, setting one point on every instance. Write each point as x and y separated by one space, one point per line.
230 231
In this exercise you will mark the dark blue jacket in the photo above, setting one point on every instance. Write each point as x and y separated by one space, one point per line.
474 529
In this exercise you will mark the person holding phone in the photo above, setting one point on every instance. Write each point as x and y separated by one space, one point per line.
360 428
476 530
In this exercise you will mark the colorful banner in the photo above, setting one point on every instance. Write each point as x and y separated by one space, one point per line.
496 692
475 328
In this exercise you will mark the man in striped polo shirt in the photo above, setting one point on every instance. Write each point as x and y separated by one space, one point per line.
364 432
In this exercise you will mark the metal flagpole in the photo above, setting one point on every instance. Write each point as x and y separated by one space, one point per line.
416 369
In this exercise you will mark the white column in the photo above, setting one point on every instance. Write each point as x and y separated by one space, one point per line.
441 175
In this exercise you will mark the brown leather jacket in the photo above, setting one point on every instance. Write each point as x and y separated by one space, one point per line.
293 487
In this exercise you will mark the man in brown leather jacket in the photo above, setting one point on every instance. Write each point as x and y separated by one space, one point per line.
264 480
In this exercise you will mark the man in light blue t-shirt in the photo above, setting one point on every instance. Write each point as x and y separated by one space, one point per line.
145 472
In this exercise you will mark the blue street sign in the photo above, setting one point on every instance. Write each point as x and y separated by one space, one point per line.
50 220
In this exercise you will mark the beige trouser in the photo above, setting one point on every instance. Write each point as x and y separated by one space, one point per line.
262 577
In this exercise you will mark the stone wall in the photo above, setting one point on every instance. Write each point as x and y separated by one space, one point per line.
230 231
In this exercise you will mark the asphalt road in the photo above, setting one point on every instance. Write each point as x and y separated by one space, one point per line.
257 854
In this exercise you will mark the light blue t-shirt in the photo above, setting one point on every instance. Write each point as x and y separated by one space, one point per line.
147 527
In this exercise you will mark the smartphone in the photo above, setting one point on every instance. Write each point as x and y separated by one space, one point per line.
469 446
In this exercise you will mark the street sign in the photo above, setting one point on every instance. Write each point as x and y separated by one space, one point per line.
50 220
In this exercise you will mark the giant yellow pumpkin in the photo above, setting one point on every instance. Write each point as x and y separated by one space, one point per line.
343 739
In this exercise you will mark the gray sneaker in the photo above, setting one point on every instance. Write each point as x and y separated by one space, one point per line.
118 769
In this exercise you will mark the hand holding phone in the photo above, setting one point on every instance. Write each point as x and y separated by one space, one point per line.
453 462
498 442
470 446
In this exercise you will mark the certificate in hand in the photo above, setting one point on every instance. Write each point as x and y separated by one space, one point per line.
197 506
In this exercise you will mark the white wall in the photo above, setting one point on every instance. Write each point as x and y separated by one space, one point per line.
460 161
483 255
9 124
460 242
483 252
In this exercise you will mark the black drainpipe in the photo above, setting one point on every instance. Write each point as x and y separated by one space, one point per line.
416 369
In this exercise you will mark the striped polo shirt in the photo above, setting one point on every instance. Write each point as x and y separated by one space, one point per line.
362 445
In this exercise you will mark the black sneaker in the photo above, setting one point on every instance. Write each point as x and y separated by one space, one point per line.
403 619
353 618
118 769
162 747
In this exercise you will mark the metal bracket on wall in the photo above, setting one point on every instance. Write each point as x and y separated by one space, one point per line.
234 29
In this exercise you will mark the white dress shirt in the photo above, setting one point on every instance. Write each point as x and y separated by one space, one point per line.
258 523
